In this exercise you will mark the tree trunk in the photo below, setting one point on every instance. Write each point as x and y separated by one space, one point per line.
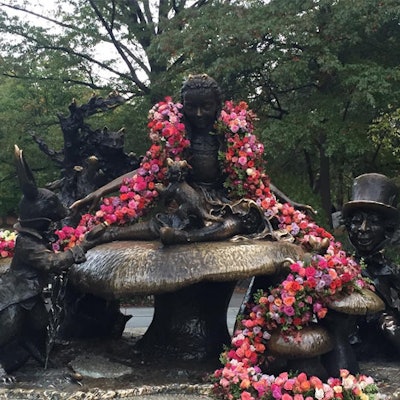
325 185
309 169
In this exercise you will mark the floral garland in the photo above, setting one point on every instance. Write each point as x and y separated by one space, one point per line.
302 297
243 162
137 194
298 300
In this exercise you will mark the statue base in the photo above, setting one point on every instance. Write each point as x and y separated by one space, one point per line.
112 369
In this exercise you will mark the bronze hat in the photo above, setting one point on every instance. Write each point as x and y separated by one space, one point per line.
374 192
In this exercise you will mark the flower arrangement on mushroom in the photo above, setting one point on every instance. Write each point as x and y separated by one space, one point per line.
298 300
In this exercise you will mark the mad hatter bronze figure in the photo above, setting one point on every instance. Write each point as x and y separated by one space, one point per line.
371 217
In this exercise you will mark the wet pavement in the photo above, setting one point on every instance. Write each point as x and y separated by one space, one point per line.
97 370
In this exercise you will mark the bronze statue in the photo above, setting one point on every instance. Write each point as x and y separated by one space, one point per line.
201 99
192 206
23 316
371 218
89 158
200 213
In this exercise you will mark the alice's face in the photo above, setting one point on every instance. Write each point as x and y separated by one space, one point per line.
200 109
367 232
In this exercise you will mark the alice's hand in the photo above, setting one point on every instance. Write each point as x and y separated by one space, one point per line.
78 253
96 231
93 199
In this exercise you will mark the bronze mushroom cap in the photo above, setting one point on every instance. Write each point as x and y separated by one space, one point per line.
309 342
121 268
358 303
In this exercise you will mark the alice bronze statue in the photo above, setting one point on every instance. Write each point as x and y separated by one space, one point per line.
194 207
220 218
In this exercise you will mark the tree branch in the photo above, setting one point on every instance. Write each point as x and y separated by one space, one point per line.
136 59
147 12
40 16
117 46
65 80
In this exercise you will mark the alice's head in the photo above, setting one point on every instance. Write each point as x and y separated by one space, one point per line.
201 99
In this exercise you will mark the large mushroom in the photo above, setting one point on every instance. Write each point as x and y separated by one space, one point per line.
301 350
362 302
324 350
192 285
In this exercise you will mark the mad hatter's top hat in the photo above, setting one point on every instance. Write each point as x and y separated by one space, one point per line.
373 192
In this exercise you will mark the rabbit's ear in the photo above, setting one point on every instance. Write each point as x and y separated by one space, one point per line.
25 176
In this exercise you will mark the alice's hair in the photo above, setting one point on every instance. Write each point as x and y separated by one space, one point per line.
201 82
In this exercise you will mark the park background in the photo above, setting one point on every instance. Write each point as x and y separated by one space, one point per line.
322 76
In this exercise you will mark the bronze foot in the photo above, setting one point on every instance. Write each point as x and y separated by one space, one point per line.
170 236
97 231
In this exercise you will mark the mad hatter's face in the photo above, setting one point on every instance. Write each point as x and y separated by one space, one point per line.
367 231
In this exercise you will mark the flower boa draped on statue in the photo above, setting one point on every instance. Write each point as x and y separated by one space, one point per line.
301 298
243 165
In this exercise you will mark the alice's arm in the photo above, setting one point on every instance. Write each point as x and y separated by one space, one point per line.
94 198
282 197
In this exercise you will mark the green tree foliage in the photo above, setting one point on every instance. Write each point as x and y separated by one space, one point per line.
53 52
343 65
27 108
231 41
316 72
385 132
104 45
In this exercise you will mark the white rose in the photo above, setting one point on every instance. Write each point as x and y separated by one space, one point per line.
319 394
250 171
